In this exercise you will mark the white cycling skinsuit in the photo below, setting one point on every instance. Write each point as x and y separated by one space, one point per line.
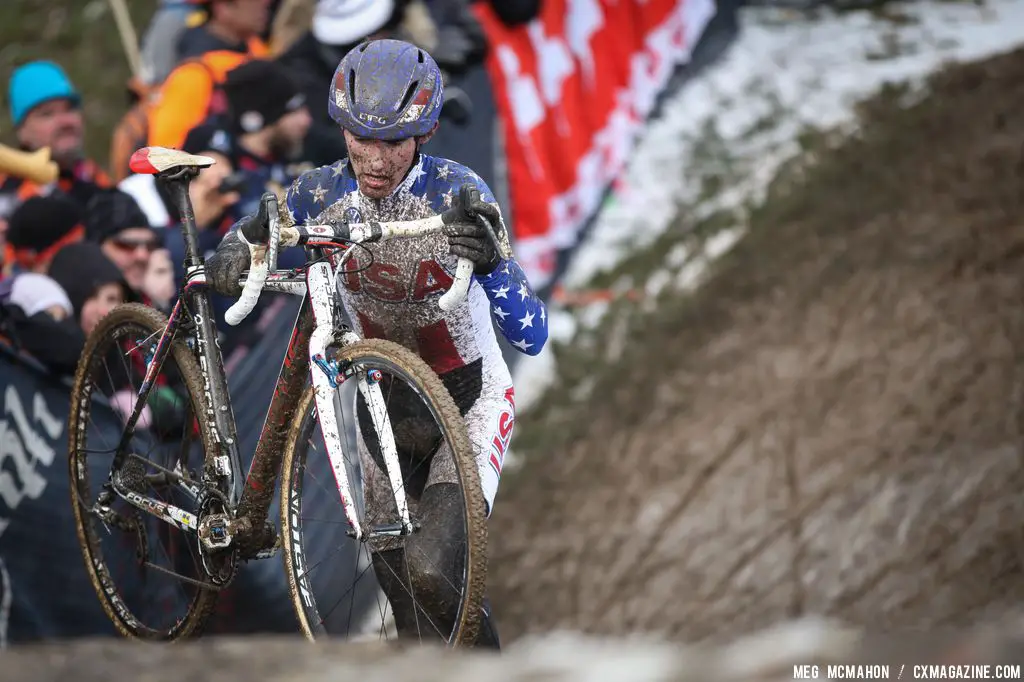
395 295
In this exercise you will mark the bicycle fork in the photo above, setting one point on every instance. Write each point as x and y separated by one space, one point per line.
326 377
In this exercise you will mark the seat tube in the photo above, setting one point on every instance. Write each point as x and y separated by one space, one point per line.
219 412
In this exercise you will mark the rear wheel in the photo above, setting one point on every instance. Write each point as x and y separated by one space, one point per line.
427 585
147 573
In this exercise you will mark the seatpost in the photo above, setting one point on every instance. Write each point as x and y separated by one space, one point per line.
177 184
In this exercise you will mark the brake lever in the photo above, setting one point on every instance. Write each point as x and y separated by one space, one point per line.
498 244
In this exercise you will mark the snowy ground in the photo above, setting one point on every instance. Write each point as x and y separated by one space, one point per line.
742 119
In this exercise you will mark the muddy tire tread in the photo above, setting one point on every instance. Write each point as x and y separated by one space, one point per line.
202 606
475 515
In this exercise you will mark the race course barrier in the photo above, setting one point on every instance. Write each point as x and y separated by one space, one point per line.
574 88
45 592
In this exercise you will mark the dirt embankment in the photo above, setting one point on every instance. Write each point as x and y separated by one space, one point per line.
832 426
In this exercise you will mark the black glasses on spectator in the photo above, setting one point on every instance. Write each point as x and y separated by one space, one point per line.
150 245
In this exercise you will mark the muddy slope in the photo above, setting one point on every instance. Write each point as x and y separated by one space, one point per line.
833 426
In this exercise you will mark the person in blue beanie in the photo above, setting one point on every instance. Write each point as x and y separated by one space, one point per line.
46 111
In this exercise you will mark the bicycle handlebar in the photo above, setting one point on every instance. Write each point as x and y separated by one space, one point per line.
264 240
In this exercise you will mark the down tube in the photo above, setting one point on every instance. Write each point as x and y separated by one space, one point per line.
266 461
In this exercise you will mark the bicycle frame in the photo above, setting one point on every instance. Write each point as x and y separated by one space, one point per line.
197 302
249 499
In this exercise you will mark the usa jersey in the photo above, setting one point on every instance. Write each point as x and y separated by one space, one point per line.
390 290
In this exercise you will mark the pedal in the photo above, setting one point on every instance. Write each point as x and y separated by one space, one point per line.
268 552
214 532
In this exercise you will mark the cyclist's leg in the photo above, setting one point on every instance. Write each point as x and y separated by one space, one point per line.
415 589
435 552
490 423
422 580
432 561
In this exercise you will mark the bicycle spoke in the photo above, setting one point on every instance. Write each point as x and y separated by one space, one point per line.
146 544
419 439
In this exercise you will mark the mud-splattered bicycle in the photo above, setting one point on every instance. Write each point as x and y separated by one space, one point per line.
174 476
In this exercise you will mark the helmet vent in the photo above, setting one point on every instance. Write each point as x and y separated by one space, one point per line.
413 87
419 55
352 85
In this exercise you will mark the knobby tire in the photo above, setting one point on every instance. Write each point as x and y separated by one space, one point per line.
432 390
96 346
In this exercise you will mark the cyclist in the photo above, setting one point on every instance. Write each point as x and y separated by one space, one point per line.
386 96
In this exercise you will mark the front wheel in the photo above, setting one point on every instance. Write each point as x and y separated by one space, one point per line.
427 585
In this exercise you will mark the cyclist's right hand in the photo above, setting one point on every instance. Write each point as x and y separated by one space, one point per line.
226 265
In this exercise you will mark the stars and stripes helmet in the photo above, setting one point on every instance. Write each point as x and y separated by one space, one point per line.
386 90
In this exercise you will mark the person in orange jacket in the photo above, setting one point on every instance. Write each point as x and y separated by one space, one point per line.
234 25
229 37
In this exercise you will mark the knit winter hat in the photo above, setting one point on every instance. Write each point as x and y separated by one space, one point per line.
40 226
81 269
110 211
210 137
259 93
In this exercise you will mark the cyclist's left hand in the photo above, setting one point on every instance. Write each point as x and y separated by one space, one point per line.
466 237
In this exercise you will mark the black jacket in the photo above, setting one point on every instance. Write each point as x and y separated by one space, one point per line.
313 64
56 345
515 12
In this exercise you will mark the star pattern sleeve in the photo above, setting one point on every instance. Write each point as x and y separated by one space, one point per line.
515 308
298 200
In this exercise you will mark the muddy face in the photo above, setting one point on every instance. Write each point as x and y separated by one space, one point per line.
379 165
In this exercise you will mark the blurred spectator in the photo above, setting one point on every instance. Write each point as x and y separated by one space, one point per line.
38 229
338 25
45 109
191 91
176 94
159 280
38 318
266 126
93 284
234 25
114 220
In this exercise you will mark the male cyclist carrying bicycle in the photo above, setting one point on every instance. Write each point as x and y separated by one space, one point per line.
386 96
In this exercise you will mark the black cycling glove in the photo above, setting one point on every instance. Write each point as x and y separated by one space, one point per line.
231 259
466 237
